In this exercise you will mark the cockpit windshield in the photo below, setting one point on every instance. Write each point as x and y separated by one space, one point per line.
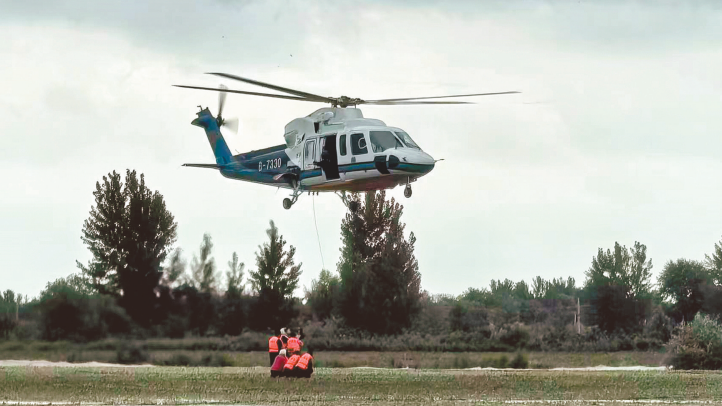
407 140
383 140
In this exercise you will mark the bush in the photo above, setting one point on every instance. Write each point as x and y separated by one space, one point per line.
517 336
131 353
659 327
502 361
697 345
520 361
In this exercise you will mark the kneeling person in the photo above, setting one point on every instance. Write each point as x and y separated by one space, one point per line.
290 364
304 366
278 364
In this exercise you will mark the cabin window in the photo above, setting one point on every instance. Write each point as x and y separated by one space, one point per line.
383 140
358 144
310 152
407 140
342 145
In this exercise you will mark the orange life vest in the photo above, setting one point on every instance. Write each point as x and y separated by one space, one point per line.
303 362
273 344
292 362
294 344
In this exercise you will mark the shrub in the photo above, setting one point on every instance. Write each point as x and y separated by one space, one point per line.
502 361
520 361
659 326
131 353
517 336
697 345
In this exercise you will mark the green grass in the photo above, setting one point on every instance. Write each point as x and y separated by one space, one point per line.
199 352
345 386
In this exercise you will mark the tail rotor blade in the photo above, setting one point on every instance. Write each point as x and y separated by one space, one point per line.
231 124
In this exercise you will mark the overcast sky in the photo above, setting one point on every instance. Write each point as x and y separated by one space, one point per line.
617 135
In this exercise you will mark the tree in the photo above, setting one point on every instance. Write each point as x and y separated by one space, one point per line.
203 270
69 310
624 267
275 279
681 281
234 276
129 233
322 297
175 269
232 309
714 263
380 282
619 286
9 305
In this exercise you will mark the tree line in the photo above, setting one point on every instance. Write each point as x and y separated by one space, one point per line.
138 284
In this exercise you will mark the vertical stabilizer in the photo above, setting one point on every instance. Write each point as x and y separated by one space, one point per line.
209 123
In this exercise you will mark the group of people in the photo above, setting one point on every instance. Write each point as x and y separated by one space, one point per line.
284 353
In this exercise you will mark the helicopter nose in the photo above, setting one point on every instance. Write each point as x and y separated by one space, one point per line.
414 161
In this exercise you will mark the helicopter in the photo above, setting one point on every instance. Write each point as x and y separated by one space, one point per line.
334 149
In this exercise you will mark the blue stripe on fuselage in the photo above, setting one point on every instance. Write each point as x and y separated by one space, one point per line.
366 166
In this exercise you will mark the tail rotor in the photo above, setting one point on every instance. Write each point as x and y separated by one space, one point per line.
231 123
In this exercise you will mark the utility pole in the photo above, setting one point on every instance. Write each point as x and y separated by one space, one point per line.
579 318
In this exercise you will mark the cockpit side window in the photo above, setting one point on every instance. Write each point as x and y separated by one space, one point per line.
358 144
383 140
342 144
407 140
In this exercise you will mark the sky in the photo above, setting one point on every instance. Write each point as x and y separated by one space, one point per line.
616 136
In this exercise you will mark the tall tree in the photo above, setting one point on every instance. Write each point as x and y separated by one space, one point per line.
323 295
618 285
129 232
174 271
714 263
203 268
275 279
623 267
234 276
380 282
682 282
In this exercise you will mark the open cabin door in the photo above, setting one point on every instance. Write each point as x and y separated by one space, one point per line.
329 159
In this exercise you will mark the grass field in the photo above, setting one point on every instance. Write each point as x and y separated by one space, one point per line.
174 385
196 353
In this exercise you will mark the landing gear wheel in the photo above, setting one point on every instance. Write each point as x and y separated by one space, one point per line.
287 203
353 206
407 191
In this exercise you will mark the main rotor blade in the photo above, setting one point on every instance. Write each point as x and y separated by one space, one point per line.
399 103
441 97
221 99
278 96
274 87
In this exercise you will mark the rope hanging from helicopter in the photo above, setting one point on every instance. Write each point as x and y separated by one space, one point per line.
313 200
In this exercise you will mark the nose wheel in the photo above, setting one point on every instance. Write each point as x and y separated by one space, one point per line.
288 202
407 191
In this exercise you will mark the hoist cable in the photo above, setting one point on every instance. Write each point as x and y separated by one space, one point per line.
313 200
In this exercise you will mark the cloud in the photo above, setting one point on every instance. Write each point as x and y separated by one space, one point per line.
614 138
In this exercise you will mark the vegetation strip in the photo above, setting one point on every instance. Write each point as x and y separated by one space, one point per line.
335 386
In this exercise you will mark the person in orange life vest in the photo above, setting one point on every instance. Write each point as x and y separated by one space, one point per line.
304 366
274 346
290 364
278 364
294 344
284 338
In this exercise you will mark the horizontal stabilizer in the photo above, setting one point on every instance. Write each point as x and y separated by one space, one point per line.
209 166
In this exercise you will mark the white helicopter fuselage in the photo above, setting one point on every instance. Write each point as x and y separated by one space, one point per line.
337 149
